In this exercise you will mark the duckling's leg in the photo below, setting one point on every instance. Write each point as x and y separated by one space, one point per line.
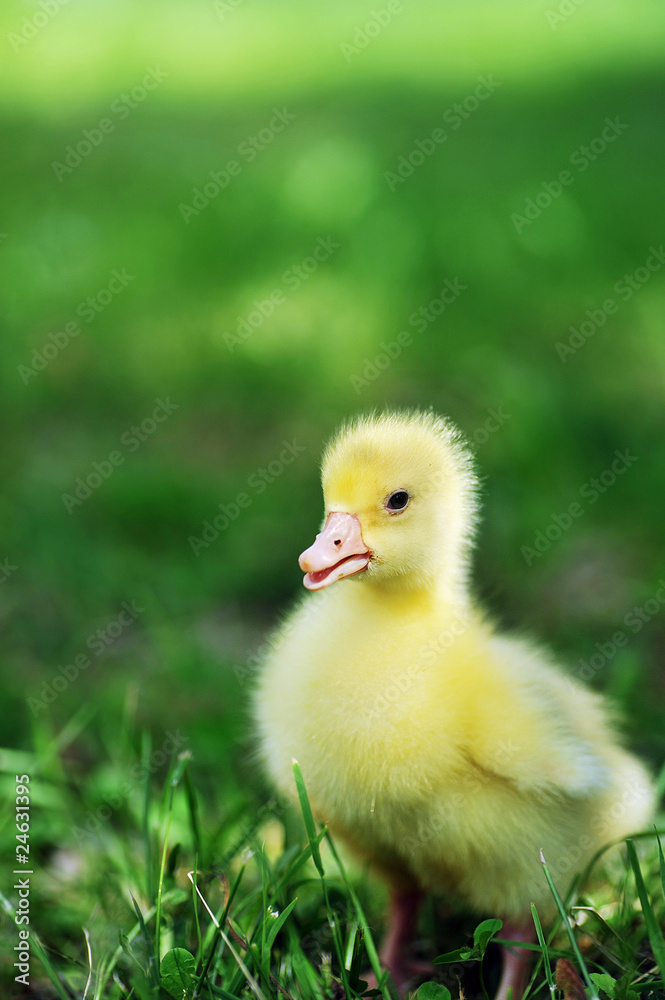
402 924
515 974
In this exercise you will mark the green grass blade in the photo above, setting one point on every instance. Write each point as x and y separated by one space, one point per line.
279 923
354 953
305 974
111 964
545 951
262 949
181 763
308 818
56 978
217 924
298 862
660 783
160 886
569 929
661 862
193 812
146 749
195 910
373 955
153 973
653 930
314 842
528 946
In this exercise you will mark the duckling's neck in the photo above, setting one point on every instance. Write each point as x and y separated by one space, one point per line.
400 595
444 581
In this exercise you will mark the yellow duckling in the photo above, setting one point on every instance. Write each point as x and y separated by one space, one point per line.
446 753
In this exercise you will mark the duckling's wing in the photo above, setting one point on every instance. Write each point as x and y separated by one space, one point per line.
538 728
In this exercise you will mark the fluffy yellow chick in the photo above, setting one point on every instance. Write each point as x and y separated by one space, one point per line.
445 752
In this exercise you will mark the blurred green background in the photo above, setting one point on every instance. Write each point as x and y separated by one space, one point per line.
356 89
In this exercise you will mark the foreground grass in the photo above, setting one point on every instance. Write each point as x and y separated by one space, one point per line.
141 890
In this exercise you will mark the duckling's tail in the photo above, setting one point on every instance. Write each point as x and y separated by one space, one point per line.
631 804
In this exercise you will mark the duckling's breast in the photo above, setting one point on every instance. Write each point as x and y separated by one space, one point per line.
370 701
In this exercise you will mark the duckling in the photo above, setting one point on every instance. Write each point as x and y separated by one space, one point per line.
445 752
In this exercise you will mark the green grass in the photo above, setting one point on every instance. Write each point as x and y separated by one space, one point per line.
169 897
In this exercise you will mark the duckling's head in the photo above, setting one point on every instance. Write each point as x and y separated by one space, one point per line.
400 505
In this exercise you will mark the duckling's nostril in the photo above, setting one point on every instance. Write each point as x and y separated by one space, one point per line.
338 541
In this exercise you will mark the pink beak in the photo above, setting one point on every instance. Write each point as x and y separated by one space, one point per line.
338 551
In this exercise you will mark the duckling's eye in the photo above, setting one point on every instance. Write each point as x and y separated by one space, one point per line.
397 501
